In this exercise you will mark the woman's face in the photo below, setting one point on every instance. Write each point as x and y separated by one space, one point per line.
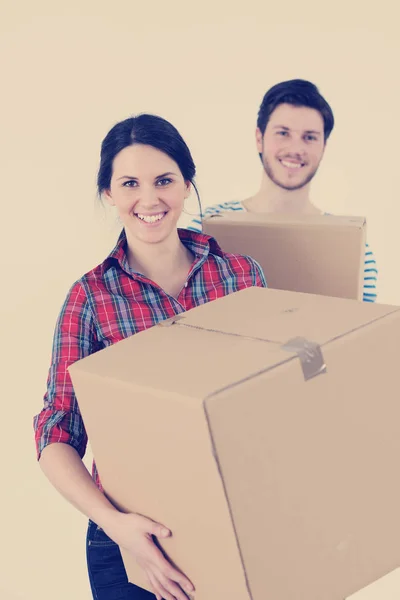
148 190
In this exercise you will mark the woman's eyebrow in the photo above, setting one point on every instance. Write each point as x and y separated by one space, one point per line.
158 176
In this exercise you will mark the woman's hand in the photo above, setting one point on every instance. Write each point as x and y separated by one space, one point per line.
64 468
134 533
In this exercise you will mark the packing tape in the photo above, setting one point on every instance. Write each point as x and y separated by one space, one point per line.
310 355
170 321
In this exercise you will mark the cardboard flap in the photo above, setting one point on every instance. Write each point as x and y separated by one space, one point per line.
262 219
230 339
190 363
276 315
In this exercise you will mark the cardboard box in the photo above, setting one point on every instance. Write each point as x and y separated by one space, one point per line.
277 476
385 588
318 254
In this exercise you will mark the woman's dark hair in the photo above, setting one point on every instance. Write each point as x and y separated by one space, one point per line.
149 130
297 92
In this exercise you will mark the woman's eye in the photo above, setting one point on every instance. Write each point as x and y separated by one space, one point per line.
164 181
130 183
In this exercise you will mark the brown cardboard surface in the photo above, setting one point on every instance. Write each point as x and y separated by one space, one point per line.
273 486
384 588
317 254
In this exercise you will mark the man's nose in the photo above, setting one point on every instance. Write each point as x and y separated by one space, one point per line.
296 146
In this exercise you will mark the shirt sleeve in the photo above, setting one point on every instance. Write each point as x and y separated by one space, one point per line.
370 276
74 338
196 224
258 274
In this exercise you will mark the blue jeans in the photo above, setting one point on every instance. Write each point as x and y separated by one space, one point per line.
107 575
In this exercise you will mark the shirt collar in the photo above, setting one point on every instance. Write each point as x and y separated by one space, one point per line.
199 244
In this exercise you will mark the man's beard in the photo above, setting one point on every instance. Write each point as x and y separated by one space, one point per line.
269 171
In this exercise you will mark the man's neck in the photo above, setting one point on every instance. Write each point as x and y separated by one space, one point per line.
273 199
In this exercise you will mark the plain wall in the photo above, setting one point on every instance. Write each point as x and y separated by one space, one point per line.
69 71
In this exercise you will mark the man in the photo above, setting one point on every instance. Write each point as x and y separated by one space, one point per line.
293 126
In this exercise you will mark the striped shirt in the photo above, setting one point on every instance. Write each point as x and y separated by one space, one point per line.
112 302
370 270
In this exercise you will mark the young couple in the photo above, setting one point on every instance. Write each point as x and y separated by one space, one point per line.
156 271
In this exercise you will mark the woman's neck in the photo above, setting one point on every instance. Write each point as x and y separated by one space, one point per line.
156 261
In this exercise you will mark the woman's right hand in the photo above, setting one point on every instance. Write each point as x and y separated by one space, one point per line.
134 533
64 468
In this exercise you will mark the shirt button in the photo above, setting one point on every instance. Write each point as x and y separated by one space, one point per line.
186 284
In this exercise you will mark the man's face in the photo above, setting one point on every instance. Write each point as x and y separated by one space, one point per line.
292 146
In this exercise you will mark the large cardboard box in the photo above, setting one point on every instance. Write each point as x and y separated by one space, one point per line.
263 428
317 254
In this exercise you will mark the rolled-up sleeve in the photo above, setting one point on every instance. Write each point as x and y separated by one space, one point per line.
258 274
74 338
370 276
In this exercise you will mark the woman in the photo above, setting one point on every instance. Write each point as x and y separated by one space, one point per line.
154 272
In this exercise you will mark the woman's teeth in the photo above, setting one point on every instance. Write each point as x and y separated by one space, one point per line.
150 218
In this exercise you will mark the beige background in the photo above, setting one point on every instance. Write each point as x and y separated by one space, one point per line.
68 72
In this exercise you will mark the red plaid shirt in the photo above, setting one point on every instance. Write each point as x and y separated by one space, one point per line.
112 302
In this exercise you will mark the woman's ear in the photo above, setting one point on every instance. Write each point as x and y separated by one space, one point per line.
188 189
108 197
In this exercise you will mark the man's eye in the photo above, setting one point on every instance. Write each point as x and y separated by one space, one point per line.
282 133
311 138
